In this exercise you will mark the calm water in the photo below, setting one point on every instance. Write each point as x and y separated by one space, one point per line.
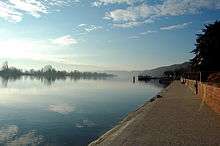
65 112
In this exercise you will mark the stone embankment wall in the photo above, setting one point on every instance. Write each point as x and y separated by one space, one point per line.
210 94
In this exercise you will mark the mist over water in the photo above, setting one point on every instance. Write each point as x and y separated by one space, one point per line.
66 111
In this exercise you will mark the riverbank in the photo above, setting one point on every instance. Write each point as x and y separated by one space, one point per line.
178 117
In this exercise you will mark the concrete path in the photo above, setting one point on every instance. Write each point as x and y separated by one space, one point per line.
178 118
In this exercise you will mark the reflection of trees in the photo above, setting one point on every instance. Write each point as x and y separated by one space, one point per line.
47 75
6 79
47 80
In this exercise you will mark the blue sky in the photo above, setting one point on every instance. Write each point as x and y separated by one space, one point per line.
101 34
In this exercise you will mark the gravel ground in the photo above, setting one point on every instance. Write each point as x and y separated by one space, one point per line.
178 118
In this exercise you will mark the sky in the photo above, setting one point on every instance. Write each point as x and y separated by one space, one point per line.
101 34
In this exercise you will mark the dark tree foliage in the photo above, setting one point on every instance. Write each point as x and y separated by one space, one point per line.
175 74
49 72
169 73
207 51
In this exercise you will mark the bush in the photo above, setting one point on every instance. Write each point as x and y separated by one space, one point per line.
214 77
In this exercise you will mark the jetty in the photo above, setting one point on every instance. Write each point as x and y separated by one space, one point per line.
174 117
147 78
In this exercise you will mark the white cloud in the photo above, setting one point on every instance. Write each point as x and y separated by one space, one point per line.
14 10
121 15
131 13
106 2
9 14
148 32
134 37
131 24
177 26
82 29
134 15
60 3
92 28
81 25
66 40
127 25
180 7
131 17
142 34
33 7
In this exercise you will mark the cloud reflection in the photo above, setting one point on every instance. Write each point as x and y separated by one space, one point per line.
62 108
9 136
7 133
85 123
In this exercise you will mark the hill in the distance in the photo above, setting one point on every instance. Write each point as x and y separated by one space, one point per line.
158 72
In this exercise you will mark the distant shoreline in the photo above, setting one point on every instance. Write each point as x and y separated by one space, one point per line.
47 72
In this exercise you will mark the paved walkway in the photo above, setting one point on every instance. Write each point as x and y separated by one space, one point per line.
175 119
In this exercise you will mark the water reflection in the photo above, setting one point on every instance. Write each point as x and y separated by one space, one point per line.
6 79
46 80
153 82
62 108
68 112
85 123
9 135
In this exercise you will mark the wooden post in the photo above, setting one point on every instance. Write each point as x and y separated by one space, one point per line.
200 76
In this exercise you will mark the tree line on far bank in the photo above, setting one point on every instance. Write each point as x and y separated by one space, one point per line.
47 71
206 62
